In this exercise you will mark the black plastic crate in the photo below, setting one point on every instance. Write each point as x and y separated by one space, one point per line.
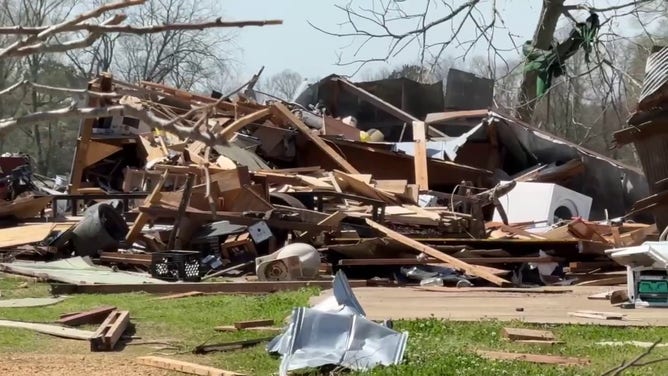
176 266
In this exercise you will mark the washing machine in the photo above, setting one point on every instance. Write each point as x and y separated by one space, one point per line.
543 204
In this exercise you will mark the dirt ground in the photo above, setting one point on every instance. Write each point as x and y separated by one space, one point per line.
470 305
30 364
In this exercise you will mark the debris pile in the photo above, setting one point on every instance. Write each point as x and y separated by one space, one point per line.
170 191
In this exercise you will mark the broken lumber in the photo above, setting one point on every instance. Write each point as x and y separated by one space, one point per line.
227 346
238 124
53 330
519 334
283 111
110 331
93 316
142 218
184 367
232 328
454 262
253 323
420 155
533 358
179 296
597 315
333 220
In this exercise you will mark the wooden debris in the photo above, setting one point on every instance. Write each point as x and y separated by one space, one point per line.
619 296
228 346
179 296
253 323
110 331
420 155
142 218
597 315
93 316
459 264
232 328
281 110
184 367
515 334
53 330
533 358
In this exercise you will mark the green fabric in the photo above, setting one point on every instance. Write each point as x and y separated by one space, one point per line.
551 63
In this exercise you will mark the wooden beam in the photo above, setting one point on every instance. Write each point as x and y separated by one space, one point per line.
420 156
333 220
184 367
238 124
515 334
454 262
53 330
284 112
143 218
93 316
253 323
110 331
232 328
255 287
533 358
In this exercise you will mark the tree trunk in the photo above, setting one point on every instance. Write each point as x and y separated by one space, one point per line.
542 39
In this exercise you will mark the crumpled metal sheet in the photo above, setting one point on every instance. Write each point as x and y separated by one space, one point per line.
656 74
336 332
444 150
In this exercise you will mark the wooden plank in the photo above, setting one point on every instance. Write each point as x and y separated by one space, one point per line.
253 323
110 331
21 235
396 186
243 121
611 281
179 296
459 264
351 184
93 316
597 315
153 152
420 155
142 218
515 334
332 220
306 131
232 328
470 260
53 330
254 287
183 367
533 358
582 231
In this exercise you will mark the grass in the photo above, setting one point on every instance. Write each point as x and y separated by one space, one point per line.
435 347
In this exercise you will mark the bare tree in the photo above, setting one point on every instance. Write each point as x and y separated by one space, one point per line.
437 26
282 84
37 31
183 58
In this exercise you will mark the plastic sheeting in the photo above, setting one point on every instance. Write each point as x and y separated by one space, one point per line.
335 332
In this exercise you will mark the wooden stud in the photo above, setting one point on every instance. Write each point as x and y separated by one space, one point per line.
420 155
456 263
184 367
93 316
238 124
516 334
110 331
533 358
143 218
253 323
306 131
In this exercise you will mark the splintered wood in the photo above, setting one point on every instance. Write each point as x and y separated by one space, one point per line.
184 367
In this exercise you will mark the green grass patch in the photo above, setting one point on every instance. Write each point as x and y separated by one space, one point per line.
435 347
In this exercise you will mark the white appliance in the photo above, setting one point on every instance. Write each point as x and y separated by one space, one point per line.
543 203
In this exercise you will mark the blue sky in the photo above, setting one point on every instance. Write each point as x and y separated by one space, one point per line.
296 45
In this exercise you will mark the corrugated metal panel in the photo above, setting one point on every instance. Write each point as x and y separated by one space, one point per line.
656 73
